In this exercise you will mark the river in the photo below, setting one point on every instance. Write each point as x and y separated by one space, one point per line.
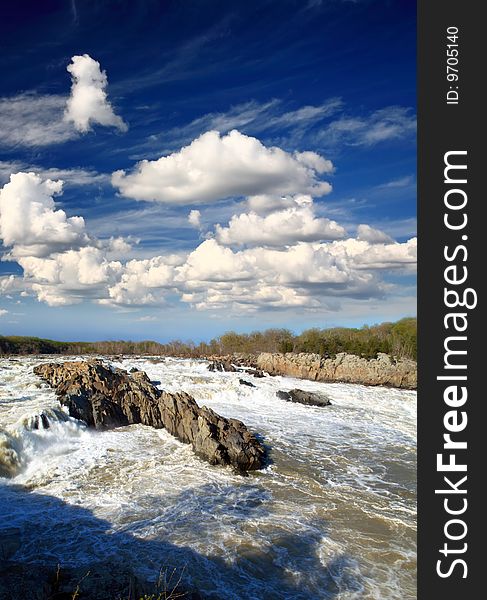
332 516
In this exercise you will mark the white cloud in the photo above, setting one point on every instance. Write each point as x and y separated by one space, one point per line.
88 103
31 119
288 226
306 274
366 233
215 167
263 204
363 255
140 281
251 117
194 219
290 257
75 176
29 222
401 182
389 123
70 277
11 284
62 264
3 312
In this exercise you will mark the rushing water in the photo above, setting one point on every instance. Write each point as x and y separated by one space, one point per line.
331 517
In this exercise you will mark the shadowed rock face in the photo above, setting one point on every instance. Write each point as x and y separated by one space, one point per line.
106 397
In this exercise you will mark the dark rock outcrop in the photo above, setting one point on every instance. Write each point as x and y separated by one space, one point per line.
223 366
247 383
105 397
303 397
236 365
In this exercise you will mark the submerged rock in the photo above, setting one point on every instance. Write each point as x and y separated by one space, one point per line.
303 397
105 397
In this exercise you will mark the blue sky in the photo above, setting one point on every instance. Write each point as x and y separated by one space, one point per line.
225 165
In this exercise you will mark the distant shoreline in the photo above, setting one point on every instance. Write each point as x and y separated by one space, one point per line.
383 370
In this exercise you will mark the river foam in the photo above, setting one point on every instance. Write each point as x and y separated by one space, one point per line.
332 516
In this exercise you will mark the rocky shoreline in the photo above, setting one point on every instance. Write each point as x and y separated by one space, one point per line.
343 368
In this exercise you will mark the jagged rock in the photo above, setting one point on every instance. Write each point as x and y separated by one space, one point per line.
247 383
348 368
222 365
106 397
303 397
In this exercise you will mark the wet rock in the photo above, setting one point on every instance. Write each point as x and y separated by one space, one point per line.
105 397
348 368
255 373
223 366
247 383
303 397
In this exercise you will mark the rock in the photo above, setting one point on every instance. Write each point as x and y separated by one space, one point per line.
348 368
255 372
303 397
222 365
105 397
247 383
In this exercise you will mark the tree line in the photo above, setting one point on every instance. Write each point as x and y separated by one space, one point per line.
397 339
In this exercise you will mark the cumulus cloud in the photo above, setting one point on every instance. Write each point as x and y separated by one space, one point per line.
3 312
70 277
194 219
31 119
61 263
306 274
277 259
366 233
140 281
88 103
215 167
263 204
29 221
284 227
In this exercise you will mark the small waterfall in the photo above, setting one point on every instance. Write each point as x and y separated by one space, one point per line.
9 455
33 435
45 419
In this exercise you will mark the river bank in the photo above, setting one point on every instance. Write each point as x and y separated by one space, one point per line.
343 368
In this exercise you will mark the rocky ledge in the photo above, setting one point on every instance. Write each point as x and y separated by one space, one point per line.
348 368
106 397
